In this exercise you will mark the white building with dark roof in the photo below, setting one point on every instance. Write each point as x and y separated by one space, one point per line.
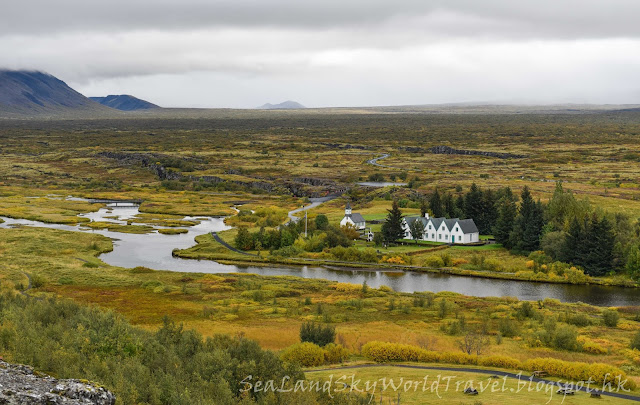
453 230
353 218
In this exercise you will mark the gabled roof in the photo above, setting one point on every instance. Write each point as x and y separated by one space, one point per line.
450 223
411 220
437 222
468 226
355 217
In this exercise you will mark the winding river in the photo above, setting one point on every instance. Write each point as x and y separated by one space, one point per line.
153 250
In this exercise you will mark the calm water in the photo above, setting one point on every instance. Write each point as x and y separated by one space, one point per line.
154 251
380 183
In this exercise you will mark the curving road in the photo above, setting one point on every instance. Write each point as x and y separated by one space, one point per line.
482 371
314 203
374 161
228 246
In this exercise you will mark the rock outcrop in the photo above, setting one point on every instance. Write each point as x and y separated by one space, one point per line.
21 385
448 150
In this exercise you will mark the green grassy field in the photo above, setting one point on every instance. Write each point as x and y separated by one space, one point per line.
207 165
447 387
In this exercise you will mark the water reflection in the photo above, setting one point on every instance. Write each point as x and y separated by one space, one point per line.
153 250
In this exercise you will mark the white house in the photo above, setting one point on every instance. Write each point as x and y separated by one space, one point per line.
354 219
444 230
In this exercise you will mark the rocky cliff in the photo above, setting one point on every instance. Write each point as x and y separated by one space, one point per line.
21 385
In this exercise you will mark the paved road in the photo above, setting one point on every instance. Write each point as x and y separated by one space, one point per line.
314 203
374 161
481 371
228 246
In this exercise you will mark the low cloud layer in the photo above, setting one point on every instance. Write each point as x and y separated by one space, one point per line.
197 53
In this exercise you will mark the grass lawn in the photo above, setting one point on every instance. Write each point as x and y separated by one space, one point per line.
447 387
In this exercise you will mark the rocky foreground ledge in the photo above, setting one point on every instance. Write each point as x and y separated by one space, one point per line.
21 385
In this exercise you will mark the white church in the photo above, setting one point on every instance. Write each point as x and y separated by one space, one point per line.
353 218
443 230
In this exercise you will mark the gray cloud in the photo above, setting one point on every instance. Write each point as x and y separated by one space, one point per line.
542 18
243 53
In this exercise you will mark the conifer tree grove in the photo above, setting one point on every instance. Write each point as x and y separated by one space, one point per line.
435 203
507 211
527 228
392 227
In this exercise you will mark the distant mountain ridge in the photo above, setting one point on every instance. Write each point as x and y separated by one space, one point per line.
286 105
124 102
35 93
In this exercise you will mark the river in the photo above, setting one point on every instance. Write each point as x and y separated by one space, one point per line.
153 250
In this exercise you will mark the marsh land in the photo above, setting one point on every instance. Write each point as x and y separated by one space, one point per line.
212 247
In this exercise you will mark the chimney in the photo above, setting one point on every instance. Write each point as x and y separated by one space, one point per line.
426 215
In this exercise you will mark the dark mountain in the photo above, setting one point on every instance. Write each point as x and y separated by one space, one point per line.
287 105
35 93
124 102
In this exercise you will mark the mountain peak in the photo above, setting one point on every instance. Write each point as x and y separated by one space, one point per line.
286 105
124 102
35 92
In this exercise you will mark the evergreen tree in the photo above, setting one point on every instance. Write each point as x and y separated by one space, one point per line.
489 215
597 248
435 203
473 204
507 212
392 227
460 207
424 206
572 242
527 228
449 206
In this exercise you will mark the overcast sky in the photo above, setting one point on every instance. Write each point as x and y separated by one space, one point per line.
244 53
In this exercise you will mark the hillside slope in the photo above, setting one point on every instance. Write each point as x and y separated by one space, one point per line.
36 93
124 102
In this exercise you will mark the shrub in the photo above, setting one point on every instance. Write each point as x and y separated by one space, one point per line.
635 343
321 335
305 354
384 352
593 348
566 338
492 264
335 353
170 365
525 310
37 281
500 361
507 327
433 261
598 372
580 320
610 317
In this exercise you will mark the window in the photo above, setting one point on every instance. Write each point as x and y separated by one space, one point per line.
459 238
433 235
440 236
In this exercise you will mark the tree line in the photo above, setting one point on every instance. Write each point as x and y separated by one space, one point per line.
565 229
